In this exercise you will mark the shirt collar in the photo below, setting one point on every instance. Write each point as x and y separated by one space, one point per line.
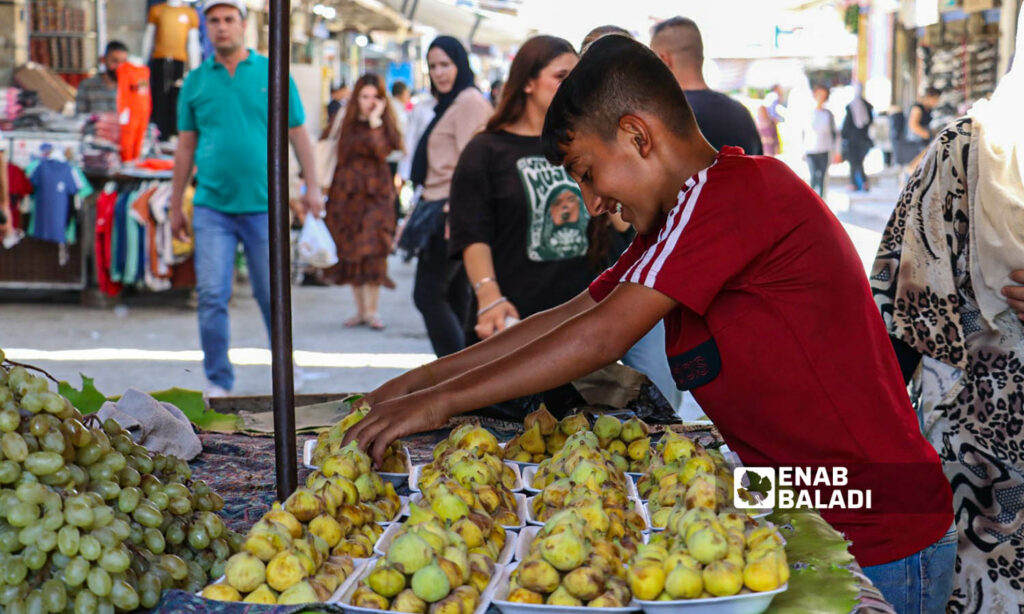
248 59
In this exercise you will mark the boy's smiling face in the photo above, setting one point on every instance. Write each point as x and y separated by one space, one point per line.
614 172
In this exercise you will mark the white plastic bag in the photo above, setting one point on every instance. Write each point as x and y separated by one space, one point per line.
316 248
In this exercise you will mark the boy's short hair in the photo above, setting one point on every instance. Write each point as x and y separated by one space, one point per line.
615 77
932 92
398 88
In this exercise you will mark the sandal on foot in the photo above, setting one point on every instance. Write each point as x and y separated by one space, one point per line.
375 323
355 321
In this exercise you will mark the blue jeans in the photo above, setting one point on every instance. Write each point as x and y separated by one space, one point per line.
216 238
922 582
648 357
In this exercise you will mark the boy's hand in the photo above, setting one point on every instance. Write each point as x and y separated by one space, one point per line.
389 420
1015 294
493 320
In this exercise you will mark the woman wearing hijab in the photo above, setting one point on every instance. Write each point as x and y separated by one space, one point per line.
441 291
946 284
856 142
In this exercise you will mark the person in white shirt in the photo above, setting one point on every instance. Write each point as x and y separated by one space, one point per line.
820 140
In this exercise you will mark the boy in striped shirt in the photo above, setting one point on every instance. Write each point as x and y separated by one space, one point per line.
769 318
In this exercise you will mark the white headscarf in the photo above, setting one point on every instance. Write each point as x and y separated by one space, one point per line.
997 221
859 108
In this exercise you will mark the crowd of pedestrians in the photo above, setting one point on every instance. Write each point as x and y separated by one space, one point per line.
519 203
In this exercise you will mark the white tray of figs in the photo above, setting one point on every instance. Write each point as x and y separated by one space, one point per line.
639 507
504 557
359 566
395 478
521 509
529 473
414 477
485 597
508 607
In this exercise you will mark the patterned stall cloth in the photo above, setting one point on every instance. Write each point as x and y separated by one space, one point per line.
180 602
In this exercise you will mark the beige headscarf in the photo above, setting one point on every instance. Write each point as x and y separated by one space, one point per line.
998 201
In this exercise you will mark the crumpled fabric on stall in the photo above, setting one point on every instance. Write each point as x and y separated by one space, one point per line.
160 427
180 602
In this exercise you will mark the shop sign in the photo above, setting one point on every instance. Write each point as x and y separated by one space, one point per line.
950 5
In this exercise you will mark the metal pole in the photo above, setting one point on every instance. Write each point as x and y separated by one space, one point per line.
280 244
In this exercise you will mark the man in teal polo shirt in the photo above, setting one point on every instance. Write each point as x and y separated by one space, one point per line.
222 133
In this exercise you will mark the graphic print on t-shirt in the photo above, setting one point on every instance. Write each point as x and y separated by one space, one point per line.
558 219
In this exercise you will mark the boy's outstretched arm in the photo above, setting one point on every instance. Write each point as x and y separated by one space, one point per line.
575 348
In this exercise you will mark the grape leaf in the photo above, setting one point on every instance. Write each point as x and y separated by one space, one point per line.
191 403
758 483
87 400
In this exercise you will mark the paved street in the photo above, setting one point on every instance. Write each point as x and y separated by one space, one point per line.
151 344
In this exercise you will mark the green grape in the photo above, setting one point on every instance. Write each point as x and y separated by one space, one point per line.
175 489
151 484
15 571
89 454
122 443
52 403
43 463
175 566
99 581
31 492
204 502
196 574
90 548
200 487
180 506
6 396
220 547
115 460
86 602
39 425
58 478
76 571
102 516
128 499
164 576
23 514
31 442
55 595
135 534
80 436
17 607
214 525
99 472
34 557
218 568
101 439
58 560
32 402
149 599
106 537
93 499
8 594
123 596
68 539
52 441
175 533
34 603
53 520
10 471
129 476
9 539
14 447
111 428
47 540
116 560
143 463
77 512
78 475
121 528
198 537
235 540
159 499
159 463
147 515
30 534
154 541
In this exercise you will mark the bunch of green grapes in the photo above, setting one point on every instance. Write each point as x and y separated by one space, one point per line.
89 520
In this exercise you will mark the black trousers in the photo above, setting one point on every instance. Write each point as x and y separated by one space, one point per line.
818 163
164 75
442 295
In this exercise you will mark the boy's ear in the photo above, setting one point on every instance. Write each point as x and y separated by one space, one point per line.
637 132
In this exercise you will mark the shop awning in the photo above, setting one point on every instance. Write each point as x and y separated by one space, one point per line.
478 26
369 15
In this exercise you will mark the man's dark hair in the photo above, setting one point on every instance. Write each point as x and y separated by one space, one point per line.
692 45
113 46
932 91
398 88
615 77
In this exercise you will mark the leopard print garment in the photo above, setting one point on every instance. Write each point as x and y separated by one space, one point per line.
972 389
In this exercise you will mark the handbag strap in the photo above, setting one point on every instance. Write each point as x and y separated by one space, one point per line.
335 132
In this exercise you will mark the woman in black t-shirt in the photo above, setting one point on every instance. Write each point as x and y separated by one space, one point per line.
518 223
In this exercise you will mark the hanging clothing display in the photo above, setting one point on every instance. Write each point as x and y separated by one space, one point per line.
54 185
134 104
166 76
